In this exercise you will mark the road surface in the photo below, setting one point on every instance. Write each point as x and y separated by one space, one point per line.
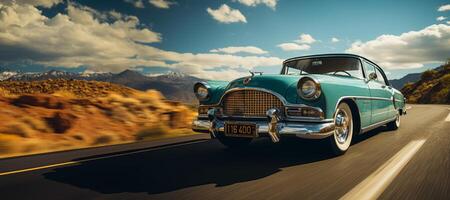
410 163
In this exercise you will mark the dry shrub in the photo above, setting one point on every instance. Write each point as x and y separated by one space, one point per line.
78 137
18 129
151 98
121 114
33 145
65 94
4 92
8 143
154 131
35 124
105 138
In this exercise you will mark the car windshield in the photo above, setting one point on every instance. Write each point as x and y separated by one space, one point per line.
338 66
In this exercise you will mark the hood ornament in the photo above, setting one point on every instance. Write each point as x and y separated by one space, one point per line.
249 78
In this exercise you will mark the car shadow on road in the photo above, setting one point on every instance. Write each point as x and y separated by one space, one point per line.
175 168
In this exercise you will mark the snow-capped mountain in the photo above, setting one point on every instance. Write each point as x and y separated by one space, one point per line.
5 75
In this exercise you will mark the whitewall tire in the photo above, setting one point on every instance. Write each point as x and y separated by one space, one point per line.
343 133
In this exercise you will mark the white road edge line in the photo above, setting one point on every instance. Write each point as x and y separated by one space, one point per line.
375 184
92 159
447 119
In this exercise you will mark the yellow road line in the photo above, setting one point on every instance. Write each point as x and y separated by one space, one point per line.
91 159
375 184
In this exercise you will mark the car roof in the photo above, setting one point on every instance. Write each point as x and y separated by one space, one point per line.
329 55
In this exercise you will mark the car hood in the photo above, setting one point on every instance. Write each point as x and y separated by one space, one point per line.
286 85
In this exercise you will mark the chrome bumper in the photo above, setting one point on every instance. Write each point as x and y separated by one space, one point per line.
298 129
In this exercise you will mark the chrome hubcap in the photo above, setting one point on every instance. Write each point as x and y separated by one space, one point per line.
342 126
397 121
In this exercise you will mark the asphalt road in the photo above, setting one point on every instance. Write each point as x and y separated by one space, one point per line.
204 169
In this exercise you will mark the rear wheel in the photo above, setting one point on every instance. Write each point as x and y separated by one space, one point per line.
234 142
394 125
343 133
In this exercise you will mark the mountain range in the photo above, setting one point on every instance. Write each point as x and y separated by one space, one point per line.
409 78
173 85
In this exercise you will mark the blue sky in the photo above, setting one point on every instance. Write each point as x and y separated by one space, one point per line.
183 33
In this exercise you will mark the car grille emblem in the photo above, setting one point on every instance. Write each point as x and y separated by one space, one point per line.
247 80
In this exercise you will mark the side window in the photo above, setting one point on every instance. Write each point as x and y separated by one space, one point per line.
380 77
368 68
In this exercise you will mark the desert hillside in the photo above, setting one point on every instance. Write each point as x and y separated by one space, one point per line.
433 87
51 115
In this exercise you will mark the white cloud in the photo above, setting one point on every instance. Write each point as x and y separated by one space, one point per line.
409 50
102 41
136 3
225 14
164 4
269 3
441 18
334 39
444 8
240 49
43 3
293 46
305 39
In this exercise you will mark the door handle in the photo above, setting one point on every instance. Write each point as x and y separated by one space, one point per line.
383 86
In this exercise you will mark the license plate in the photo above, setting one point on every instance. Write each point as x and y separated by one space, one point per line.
240 129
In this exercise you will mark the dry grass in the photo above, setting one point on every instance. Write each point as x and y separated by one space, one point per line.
109 118
156 131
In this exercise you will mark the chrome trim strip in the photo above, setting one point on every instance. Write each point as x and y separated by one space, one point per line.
376 125
360 97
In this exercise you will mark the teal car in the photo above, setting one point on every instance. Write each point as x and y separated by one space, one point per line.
330 96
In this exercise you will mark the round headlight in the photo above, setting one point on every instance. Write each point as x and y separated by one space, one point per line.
308 89
201 91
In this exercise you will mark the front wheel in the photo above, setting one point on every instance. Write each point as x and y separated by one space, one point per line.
394 125
343 132
234 142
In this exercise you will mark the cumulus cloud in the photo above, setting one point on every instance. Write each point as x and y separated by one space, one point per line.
164 4
441 18
408 50
305 39
334 39
269 3
293 46
43 3
101 41
240 49
225 14
444 8
136 3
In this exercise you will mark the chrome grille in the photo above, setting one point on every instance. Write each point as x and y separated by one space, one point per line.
250 103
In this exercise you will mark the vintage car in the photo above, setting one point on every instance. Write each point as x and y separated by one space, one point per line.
330 96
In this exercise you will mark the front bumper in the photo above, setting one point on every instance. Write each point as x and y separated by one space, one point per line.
308 130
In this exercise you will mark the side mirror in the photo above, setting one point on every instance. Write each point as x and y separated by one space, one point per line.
372 76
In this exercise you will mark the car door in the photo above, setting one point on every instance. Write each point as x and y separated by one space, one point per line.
379 94
388 94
